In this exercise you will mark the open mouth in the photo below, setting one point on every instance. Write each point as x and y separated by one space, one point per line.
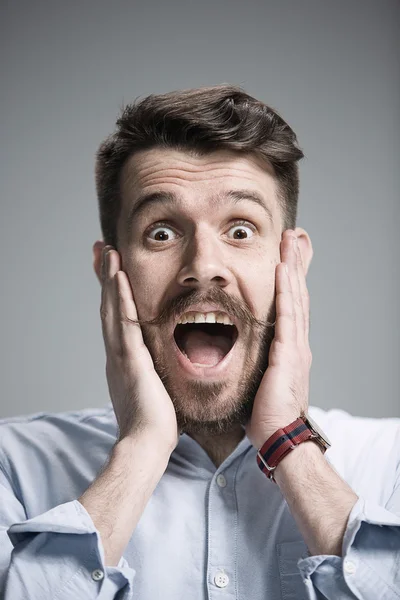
205 344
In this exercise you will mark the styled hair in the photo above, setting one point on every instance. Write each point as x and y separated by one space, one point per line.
200 121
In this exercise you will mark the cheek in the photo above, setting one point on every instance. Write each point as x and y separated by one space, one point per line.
264 300
148 281
261 285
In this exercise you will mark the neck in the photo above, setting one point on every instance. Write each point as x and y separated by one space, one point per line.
220 446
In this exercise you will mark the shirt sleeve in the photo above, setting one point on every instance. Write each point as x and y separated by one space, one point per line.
57 555
369 566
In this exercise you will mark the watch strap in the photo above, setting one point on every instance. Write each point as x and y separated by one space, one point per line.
282 442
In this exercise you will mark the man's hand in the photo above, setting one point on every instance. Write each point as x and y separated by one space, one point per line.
145 413
141 402
283 391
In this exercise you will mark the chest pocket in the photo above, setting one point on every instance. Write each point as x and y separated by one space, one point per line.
291 582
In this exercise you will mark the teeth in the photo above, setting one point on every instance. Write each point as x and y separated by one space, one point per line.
211 317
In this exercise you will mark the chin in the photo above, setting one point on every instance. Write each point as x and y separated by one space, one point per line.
210 408
212 400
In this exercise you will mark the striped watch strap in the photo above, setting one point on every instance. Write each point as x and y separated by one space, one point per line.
281 443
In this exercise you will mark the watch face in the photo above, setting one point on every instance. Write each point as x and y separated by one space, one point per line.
317 429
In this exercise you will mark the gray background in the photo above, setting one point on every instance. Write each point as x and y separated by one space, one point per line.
330 68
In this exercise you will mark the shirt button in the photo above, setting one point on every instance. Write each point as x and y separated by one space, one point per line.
349 566
221 480
221 579
97 574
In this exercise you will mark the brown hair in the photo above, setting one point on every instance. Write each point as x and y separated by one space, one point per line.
198 120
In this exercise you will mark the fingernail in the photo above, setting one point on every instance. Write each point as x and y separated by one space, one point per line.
106 250
103 256
104 259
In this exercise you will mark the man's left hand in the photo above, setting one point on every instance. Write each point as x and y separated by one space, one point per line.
283 391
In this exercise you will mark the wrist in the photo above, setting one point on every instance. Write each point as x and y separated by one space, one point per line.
286 439
274 427
142 444
296 460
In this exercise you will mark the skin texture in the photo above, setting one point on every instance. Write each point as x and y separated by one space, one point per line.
202 260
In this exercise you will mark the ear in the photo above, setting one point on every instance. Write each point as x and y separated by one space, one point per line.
97 250
305 246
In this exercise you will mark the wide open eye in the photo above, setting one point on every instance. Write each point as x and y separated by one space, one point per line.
242 230
161 233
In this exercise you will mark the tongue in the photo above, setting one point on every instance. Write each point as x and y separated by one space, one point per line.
205 349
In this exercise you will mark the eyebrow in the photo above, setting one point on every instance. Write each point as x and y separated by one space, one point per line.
235 196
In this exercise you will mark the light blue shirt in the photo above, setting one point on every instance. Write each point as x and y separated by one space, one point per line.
206 533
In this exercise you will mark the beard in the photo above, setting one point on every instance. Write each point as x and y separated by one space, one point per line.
214 408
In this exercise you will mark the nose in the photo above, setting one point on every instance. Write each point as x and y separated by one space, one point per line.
204 264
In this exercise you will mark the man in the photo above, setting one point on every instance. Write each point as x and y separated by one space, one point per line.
206 477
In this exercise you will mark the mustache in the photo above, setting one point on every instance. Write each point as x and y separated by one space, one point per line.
233 306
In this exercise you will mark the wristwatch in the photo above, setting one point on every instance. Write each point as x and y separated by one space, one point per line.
286 439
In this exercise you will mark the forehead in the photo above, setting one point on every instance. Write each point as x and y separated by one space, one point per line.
193 177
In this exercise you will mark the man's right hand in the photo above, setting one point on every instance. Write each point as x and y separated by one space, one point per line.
140 400
145 413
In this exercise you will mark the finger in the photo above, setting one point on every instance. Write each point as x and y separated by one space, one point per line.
104 266
110 266
131 339
285 326
304 295
289 255
124 336
298 299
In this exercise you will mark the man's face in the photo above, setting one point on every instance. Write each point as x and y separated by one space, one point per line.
205 246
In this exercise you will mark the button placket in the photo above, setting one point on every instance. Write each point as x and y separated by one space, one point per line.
222 525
